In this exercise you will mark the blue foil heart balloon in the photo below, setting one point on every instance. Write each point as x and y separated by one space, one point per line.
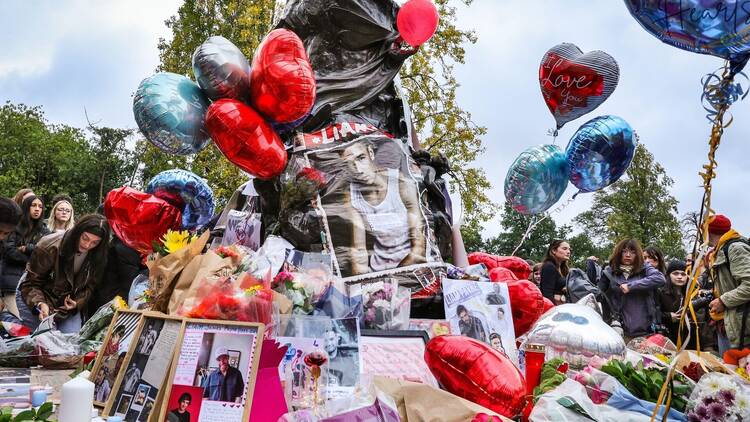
186 191
600 152
537 179
169 110
717 27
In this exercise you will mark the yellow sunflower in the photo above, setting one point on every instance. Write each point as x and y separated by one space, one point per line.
174 241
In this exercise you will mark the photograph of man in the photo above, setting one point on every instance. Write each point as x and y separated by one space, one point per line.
180 413
496 342
224 383
148 337
343 367
386 206
496 297
113 347
140 396
469 325
500 313
132 376
102 390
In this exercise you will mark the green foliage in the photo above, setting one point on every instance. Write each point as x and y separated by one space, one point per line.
41 415
442 124
53 159
639 206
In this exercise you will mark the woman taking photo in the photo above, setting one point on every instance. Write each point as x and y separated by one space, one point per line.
61 218
63 272
554 270
631 286
18 248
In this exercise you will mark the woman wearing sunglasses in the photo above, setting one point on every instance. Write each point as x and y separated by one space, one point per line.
631 286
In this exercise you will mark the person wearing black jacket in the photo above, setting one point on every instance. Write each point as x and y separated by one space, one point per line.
10 215
555 269
123 265
18 248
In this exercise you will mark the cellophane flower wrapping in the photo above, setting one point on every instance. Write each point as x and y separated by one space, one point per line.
719 397
386 306
231 298
303 289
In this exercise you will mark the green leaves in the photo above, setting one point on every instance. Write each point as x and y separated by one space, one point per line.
646 383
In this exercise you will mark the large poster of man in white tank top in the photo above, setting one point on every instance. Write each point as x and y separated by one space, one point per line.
371 206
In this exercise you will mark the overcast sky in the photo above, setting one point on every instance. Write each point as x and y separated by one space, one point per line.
67 55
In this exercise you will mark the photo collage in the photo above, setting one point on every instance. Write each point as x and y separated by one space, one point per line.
112 355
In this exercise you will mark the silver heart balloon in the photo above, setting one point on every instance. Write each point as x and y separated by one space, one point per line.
576 333
574 83
222 71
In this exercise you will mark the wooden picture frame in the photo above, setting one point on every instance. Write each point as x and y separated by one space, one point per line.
200 342
396 354
130 320
147 364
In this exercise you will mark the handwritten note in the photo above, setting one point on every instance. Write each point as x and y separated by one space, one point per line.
161 355
188 360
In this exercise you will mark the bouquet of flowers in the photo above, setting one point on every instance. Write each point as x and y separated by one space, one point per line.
591 378
173 253
386 305
302 187
740 361
719 398
230 299
646 383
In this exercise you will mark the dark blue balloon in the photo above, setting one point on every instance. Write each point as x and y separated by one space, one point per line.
186 191
600 152
169 110
717 27
537 179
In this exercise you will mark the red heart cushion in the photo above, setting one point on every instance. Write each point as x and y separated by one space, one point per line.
138 218
473 370
519 266
282 81
245 138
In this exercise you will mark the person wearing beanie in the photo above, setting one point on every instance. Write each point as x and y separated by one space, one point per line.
729 266
672 296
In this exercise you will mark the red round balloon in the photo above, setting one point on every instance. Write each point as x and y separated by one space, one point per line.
417 21
526 304
138 218
282 81
473 370
519 266
245 138
547 305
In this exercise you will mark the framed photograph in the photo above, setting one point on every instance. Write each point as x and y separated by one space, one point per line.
396 354
138 389
341 342
112 353
203 385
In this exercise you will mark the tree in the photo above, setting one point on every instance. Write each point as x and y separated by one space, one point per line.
442 124
638 206
53 159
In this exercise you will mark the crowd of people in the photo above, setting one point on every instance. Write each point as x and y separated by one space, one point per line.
640 293
55 266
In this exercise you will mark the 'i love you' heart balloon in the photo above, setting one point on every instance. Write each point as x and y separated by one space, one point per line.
717 27
574 83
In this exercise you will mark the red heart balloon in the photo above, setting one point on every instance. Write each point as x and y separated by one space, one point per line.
502 274
138 218
526 303
547 305
519 266
417 21
245 138
473 370
282 81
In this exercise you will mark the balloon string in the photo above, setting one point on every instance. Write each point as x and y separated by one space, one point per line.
534 222
553 133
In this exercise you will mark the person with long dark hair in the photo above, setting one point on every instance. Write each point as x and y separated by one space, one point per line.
554 270
631 285
672 298
19 247
63 272
655 257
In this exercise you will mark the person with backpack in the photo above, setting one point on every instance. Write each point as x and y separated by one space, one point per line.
729 266
555 270
631 287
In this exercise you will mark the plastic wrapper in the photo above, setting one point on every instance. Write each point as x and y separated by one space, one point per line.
353 51
221 262
303 289
655 344
386 306
52 349
336 302
99 322
230 299
137 297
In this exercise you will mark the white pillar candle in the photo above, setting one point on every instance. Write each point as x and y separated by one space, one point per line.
77 400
